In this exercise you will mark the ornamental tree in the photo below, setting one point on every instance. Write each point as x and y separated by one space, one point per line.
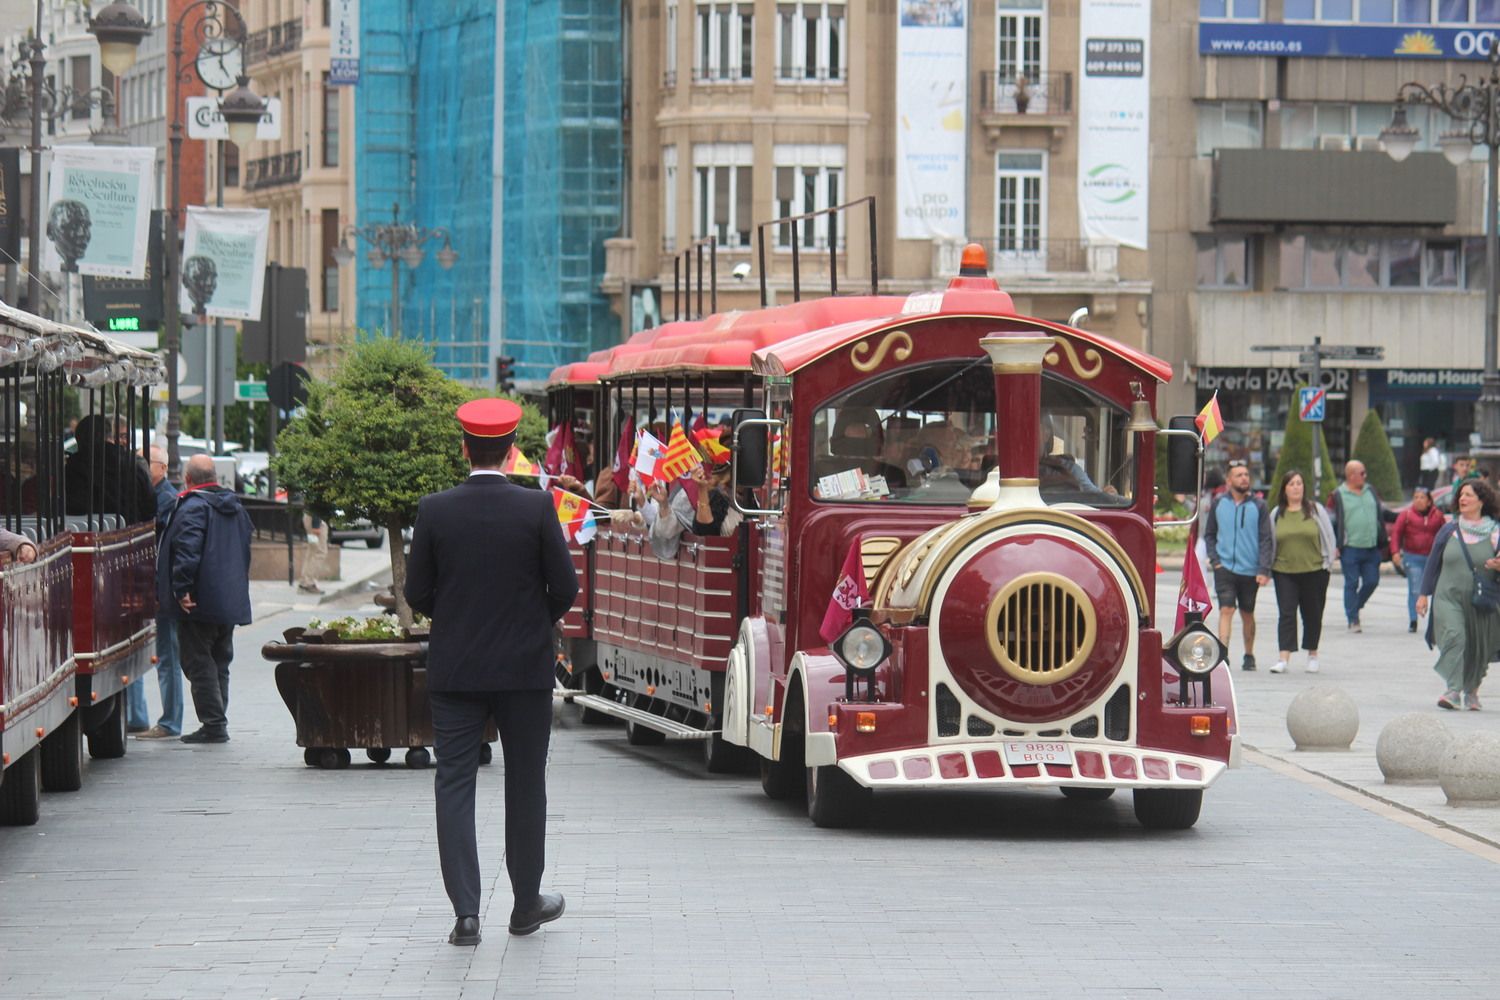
376 439
1297 453
1373 448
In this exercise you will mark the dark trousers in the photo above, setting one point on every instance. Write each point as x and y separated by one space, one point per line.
1361 577
205 649
1304 592
524 719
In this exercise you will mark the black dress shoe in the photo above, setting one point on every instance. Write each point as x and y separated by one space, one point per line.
205 735
548 907
465 932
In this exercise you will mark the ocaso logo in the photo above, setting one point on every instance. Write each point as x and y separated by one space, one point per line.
1473 43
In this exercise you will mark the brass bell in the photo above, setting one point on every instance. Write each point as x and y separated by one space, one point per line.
1142 420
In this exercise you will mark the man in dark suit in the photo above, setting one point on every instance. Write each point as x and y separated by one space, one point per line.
489 565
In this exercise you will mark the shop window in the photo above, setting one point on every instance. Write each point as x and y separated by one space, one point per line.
1223 261
1229 125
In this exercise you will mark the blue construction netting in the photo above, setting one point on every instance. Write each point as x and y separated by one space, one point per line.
425 126
562 191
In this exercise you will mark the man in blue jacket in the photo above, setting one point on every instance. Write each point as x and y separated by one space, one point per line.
203 581
1240 542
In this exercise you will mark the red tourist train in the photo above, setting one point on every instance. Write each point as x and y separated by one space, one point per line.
78 623
994 474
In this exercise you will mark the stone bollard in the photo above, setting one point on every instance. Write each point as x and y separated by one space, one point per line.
1411 749
1470 771
1322 717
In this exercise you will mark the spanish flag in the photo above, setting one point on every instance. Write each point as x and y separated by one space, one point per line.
1210 421
679 458
708 442
575 515
517 464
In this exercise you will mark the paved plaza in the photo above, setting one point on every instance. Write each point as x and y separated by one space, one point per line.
235 871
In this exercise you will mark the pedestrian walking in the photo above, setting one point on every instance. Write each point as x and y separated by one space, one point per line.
1463 469
315 556
490 656
168 666
1466 636
1412 536
1303 557
1240 545
1359 528
1430 464
203 582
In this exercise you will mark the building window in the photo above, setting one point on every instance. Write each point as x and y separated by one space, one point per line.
330 273
726 40
1223 261
80 77
330 124
1228 125
1229 10
808 179
669 198
1392 11
1359 264
669 57
1021 47
1339 126
811 41
1020 203
722 192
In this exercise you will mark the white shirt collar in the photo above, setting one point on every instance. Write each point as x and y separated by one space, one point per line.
486 472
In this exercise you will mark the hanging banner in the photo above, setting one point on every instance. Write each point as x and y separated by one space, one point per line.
99 210
205 122
1114 149
932 68
343 43
223 261
10 204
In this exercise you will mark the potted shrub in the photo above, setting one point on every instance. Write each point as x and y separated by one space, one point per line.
1023 95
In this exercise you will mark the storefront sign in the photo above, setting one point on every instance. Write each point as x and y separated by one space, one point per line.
343 45
1114 100
932 70
223 260
99 210
205 122
1325 41
1269 379
1433 384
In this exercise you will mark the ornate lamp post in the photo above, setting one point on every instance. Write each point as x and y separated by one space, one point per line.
219 32
120 29
400 243
1475 109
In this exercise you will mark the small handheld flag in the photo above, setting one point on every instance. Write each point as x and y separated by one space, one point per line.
1210 420
647 453
575 514
849 592
517 464
679 458
708 442
1192 596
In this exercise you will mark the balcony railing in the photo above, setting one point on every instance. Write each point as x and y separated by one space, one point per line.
273 171
276 40
1037 255
1048 94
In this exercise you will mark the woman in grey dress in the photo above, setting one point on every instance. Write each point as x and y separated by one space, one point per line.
1466 638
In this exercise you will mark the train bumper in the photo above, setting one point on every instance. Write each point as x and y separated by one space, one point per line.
960 765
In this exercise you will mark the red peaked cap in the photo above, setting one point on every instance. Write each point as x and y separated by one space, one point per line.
489 418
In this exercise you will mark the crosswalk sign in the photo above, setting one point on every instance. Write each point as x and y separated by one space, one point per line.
1312 404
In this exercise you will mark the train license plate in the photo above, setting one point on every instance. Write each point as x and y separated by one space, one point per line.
1031 752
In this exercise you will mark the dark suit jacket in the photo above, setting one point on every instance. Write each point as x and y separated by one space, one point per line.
489 565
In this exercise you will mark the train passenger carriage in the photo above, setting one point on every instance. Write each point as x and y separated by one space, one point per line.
992 477
78 623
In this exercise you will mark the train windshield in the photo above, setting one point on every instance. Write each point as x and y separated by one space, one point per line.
926 435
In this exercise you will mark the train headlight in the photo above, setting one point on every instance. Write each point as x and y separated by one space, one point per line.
862 647
1196 650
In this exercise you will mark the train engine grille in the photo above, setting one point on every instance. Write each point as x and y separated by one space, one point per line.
1041 628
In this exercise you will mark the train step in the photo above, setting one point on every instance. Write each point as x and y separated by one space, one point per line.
673 730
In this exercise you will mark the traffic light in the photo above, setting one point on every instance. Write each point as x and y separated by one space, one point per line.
505 373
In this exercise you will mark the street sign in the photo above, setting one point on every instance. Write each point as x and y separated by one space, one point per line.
251 392
1350 352
1307 357
1312 404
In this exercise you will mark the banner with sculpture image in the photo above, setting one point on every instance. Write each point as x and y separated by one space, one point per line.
99 210
224 261
1114 125
932 69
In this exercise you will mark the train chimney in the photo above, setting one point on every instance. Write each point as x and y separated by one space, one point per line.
1016 358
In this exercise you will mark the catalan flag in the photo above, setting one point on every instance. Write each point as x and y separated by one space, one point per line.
1210 421
708 442
517 464
575 515
679 458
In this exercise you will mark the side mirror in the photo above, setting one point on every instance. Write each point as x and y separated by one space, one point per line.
750 447
1182 455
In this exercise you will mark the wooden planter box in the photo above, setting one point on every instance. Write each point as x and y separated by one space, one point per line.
368 694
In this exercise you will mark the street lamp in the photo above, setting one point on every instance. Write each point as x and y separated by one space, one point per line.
400 243
218 23
119 28
1475 108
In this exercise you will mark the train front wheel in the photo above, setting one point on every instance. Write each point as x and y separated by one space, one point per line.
1168 808
834 799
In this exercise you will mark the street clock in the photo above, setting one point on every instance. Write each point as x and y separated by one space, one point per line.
220 63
